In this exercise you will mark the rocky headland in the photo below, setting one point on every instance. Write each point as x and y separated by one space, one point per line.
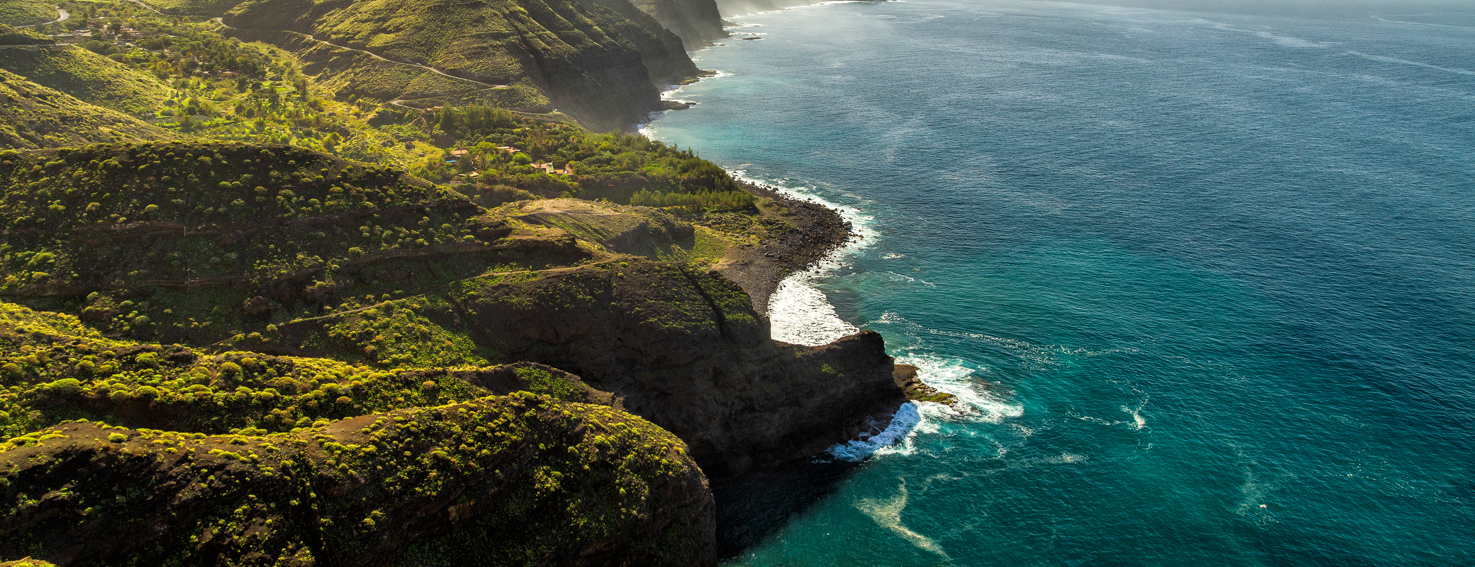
407 315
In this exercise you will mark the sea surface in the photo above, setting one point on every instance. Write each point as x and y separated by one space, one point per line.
1204 282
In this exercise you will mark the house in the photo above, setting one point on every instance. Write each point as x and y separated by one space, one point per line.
548 167
458 154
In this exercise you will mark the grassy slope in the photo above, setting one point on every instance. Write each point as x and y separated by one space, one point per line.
22 36
25 12
89 77
33 116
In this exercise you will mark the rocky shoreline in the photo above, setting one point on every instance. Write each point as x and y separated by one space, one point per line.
815 232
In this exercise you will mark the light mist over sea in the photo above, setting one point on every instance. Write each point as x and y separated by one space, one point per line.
1205 280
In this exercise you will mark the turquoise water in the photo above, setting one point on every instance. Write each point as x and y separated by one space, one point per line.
1206 281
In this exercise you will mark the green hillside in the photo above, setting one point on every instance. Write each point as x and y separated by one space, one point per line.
22 36
89 77
26 12
33 116
274 460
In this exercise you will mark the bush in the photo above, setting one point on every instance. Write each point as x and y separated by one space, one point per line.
117 438
65 387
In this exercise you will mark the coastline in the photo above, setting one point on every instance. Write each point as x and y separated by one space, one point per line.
815 232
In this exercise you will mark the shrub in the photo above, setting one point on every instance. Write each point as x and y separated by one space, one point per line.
65 387
117 438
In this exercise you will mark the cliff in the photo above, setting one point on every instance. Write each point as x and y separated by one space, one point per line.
599 60
697 22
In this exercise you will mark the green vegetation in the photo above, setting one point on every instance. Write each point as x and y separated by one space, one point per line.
27 562
55 369
25 13
90 77
22 36
524 479
33 116
503 150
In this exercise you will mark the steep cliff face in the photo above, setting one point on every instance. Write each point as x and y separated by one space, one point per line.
596 59
697 22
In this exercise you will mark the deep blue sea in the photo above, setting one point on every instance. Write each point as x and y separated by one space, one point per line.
1206 282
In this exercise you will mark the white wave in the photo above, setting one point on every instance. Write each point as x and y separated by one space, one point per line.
947 375
952 376
801 314
868 443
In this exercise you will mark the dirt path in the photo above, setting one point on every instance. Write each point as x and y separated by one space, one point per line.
148 7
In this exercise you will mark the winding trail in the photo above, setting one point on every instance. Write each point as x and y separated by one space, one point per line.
61 16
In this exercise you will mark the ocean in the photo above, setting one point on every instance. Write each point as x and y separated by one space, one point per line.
1205 282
